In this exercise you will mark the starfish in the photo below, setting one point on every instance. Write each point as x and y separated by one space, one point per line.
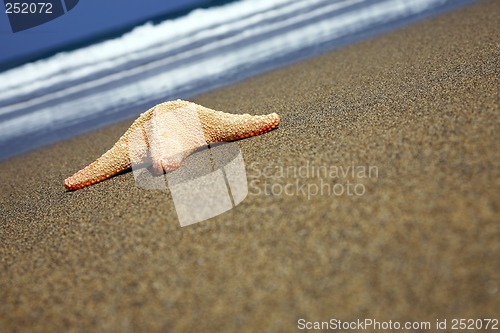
166 135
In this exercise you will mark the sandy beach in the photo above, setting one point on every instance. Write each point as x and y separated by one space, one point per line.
417 238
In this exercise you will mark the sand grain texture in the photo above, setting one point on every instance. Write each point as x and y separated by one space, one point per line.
421 104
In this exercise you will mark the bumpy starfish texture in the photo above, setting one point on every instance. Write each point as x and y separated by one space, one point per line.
167 134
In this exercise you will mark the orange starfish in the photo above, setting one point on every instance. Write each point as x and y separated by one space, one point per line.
171 131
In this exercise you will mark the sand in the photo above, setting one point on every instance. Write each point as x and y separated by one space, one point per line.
419 105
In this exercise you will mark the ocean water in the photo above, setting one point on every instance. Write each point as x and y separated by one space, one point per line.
80 90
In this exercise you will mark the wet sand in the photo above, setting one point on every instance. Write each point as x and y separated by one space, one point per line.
418 241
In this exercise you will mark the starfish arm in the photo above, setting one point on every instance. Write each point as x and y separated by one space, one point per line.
115 160
109 164
222 127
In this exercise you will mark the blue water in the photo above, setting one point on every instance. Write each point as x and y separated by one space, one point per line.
80 90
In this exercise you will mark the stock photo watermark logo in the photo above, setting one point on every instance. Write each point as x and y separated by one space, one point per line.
309 180
26 14
211 181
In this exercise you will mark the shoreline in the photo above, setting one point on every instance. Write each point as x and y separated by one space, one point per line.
422 242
